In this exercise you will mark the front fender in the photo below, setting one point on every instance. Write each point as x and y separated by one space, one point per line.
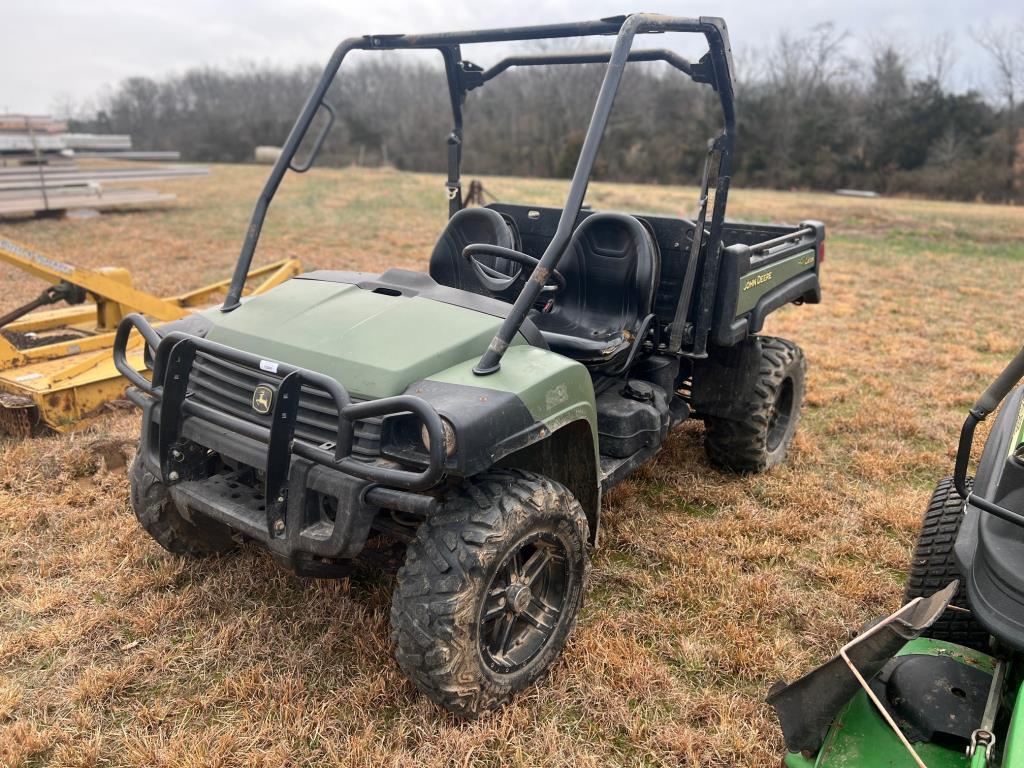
537 413
534 394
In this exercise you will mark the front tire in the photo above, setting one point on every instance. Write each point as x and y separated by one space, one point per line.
933 566
490 590
159 516
761 438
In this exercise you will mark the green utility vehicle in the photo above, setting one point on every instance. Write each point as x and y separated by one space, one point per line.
940 683
475 414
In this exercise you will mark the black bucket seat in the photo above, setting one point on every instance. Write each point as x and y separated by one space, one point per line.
611 268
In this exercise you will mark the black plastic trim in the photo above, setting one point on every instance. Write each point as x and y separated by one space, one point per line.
989 547
489 425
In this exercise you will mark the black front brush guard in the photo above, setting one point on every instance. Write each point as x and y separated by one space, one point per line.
988 402
172 362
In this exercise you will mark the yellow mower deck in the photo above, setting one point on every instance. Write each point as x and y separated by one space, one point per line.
56 368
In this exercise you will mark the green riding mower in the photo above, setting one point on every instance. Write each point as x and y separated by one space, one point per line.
940 683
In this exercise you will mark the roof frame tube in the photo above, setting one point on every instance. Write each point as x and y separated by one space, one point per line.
713 68
477 79
490 361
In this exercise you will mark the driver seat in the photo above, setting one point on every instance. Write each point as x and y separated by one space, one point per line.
467 227
611 268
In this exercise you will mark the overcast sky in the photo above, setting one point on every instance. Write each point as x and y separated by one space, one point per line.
59 51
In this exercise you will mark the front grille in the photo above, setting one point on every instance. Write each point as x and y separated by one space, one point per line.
229 387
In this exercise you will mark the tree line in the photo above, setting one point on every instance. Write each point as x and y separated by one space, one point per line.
809 116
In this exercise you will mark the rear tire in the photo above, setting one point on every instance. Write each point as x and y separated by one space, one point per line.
761 439
156 511
490 590
933 566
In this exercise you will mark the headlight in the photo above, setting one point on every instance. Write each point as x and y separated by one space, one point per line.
449 437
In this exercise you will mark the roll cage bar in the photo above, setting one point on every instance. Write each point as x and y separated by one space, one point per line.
714 69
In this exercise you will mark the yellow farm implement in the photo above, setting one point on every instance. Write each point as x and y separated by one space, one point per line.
56 369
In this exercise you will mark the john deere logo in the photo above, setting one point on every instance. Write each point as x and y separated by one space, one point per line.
262 399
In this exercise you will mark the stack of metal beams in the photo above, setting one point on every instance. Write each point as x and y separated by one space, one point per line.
37 172
28 136
35 123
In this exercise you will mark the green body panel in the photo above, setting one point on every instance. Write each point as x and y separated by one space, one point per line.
1018 432
757 282
1013 753
793 760
375 345
860 738
555 389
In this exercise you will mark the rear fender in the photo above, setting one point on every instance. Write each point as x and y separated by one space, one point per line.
989 550
997 473
999 476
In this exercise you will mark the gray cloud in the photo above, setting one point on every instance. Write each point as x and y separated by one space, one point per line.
69 50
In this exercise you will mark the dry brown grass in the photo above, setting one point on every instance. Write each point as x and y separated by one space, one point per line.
706 589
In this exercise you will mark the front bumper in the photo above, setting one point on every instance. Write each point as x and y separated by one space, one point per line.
313 499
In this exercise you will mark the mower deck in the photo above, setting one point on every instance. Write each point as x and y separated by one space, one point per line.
56 367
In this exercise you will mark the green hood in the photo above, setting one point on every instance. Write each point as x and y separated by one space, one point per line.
373 343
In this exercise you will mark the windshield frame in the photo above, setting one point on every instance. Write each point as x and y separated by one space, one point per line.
714 68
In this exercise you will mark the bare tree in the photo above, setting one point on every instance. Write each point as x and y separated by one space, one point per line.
810 116
938 57
798 70
1005 47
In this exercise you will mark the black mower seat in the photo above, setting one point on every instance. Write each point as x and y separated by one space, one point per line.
470 226
611 270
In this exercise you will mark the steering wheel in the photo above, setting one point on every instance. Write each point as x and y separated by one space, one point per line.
498 282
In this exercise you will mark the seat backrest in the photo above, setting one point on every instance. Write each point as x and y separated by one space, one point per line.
469 226
611 269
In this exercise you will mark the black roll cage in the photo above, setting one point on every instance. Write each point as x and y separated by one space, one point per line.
714 68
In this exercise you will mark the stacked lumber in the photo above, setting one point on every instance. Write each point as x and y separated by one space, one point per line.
43 177
114 142
47 178
30 143
160 155
72 199
34 123
39 137
29 189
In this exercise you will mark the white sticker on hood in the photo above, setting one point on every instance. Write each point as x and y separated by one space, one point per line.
268 365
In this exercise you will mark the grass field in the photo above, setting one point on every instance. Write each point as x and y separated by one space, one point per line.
706 589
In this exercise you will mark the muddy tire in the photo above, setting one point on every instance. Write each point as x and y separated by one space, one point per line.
933 566
196 537
490 590
762 437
